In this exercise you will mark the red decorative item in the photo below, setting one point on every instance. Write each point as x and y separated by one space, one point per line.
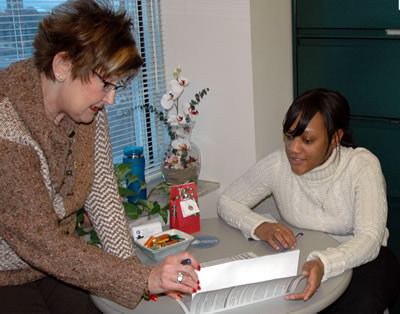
183 195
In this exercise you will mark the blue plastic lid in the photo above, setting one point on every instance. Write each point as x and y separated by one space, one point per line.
205 241
133 150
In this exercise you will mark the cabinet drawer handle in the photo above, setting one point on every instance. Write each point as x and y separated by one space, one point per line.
393 31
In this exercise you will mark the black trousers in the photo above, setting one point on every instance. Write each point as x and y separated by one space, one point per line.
374 287
45 296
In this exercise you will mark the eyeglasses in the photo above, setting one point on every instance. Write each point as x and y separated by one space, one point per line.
108 86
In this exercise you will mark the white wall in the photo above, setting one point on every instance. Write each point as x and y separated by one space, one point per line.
271 34
224 45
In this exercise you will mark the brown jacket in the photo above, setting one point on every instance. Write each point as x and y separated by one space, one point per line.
47 173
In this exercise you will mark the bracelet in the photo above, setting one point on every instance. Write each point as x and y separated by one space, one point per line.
146 294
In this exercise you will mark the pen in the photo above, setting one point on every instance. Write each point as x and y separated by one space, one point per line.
298 236
188 261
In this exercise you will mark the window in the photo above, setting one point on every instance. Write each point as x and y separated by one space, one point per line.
132 120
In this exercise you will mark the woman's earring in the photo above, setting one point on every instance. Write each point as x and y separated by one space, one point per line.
59 77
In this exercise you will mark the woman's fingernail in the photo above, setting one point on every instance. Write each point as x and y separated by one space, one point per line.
198 267
198 288
194 290
153 297
198 282
179 296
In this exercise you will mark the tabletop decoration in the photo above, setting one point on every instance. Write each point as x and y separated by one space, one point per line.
182 160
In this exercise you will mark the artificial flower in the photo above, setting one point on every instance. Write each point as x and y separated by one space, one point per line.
167 101
180 120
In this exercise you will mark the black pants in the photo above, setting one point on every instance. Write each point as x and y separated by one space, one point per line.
45 296
374 287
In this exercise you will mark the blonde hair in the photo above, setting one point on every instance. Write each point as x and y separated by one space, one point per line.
93 36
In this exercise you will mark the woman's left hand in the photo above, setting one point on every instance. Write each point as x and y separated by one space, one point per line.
314 271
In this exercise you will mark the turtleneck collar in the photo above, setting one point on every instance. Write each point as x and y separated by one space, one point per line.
326 170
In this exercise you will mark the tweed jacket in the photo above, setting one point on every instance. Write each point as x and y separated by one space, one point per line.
47 173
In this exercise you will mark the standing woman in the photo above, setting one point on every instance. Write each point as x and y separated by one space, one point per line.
320 182
56 158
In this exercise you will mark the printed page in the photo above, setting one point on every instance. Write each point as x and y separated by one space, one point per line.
243 279
257 269
186 301
238 257
228 298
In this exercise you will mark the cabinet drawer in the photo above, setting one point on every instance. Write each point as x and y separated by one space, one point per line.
365 71
381 136
347 13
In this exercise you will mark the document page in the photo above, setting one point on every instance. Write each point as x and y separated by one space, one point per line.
241 272
245 280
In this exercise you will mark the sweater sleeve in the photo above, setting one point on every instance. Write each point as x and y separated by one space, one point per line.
236 203
369 219
103 204
31 228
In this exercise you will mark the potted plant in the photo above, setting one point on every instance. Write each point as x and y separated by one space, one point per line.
133 210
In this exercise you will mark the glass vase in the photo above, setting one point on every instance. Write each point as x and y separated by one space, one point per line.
182 163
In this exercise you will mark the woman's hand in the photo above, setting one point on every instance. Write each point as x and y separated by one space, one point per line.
272 232
164 277
313 270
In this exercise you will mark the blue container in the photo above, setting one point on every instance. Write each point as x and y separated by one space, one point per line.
133 155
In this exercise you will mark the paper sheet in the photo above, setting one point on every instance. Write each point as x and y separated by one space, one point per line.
247 271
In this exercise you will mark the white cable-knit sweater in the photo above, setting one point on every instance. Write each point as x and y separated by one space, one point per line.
344 197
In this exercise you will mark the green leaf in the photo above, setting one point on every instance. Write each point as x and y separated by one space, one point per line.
126 192
93 243
146 204
164 213
79 216
132 210
121 171
131 178
80 231
156 208
93 237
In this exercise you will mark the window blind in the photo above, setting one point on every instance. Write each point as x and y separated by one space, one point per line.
132 119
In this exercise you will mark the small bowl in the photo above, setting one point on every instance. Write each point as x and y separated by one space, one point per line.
160 254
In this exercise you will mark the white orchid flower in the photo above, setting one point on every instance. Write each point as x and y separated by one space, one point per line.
181 119
167 101
183 81
176 88
172 120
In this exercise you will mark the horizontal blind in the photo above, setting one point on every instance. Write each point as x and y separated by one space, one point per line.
18 26
132 120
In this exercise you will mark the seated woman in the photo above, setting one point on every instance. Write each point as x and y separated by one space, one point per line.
321 182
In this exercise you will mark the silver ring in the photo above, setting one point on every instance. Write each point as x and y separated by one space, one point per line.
180 277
